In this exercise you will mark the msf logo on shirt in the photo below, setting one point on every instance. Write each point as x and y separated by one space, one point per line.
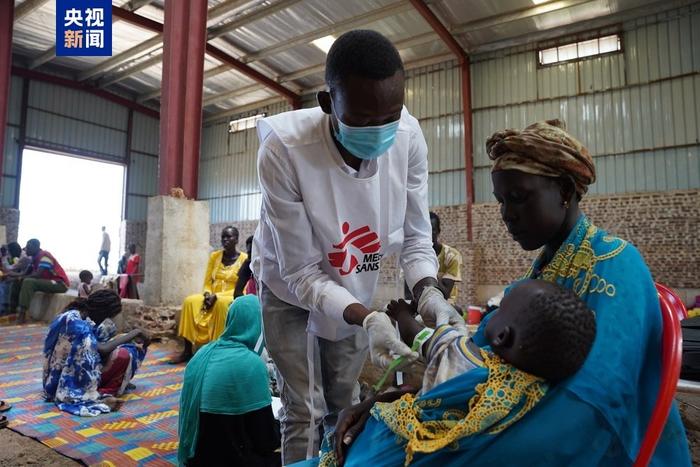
358 251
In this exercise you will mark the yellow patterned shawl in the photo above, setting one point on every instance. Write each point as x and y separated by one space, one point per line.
505 397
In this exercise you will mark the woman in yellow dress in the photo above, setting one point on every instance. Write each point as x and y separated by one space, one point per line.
203 315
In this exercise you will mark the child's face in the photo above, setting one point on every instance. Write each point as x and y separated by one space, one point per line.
502 331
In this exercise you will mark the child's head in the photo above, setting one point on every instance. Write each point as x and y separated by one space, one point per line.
14 249
102 304
543 329
85 276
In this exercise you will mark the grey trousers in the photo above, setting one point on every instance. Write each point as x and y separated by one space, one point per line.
336 367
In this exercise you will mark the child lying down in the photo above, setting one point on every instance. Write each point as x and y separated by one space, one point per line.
541 334
540 328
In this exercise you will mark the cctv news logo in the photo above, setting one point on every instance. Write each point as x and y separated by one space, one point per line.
83 28
359 251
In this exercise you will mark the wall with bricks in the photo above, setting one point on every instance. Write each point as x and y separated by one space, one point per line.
663 226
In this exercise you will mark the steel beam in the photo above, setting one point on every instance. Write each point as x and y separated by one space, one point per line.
244 108
260 104
129 104
155 26
181 110
27 7
115 78
45 57
194 71
337 28
309 71
247 18
252 73
517 15
223 8
215 52
463 60
7 13
118 59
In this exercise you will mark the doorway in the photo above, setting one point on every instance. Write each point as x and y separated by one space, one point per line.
65 200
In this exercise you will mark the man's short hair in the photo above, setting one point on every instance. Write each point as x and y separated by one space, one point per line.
363 53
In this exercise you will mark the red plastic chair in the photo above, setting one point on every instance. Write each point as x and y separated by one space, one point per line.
672 311
674 300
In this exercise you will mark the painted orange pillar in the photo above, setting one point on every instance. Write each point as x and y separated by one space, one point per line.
184 39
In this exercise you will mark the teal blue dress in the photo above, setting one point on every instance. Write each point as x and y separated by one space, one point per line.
598 416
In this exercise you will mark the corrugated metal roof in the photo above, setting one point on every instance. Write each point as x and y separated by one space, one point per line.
474 22
637 112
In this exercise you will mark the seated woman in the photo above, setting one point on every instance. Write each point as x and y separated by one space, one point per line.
599 415
85 365
203 315
225 406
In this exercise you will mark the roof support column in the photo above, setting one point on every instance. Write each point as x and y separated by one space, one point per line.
184 38
463 60
7 10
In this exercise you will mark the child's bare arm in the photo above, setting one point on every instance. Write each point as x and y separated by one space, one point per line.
402 312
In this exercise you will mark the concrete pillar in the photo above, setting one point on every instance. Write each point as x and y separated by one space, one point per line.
184 38
9 217
7 13
177 249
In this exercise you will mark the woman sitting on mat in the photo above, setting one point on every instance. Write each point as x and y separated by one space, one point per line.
598 416
225 406
203 315
85 366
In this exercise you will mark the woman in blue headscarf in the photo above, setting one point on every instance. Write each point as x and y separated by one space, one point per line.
225 406
598 416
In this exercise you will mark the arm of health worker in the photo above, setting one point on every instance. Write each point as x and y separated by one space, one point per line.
418 260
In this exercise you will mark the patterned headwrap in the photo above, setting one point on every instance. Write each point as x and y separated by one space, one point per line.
543 148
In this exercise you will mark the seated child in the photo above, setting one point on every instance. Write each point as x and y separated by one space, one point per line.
541 328
85 286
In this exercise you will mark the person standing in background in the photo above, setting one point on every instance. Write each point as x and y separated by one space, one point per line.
104 251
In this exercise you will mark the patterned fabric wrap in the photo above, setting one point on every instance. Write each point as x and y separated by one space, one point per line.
501 400
72 366
543 148
136 354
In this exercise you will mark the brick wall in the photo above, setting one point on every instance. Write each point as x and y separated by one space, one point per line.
245 229
663 226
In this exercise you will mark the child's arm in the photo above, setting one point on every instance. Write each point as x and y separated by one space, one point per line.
402 312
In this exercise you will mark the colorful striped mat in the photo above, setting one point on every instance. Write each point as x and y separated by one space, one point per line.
143 432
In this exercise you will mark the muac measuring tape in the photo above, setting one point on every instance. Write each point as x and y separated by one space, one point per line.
418 341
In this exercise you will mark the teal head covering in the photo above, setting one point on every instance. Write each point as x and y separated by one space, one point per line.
226 376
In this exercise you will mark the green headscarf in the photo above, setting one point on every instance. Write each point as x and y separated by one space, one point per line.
226 376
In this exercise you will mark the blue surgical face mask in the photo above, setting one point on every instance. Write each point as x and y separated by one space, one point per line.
367 142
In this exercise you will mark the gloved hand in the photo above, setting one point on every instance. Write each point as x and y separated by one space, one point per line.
435 311
384 342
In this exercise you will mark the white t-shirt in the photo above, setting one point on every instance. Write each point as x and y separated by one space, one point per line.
106 243
324 229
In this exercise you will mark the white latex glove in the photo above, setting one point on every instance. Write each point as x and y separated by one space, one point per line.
384 342
435 311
